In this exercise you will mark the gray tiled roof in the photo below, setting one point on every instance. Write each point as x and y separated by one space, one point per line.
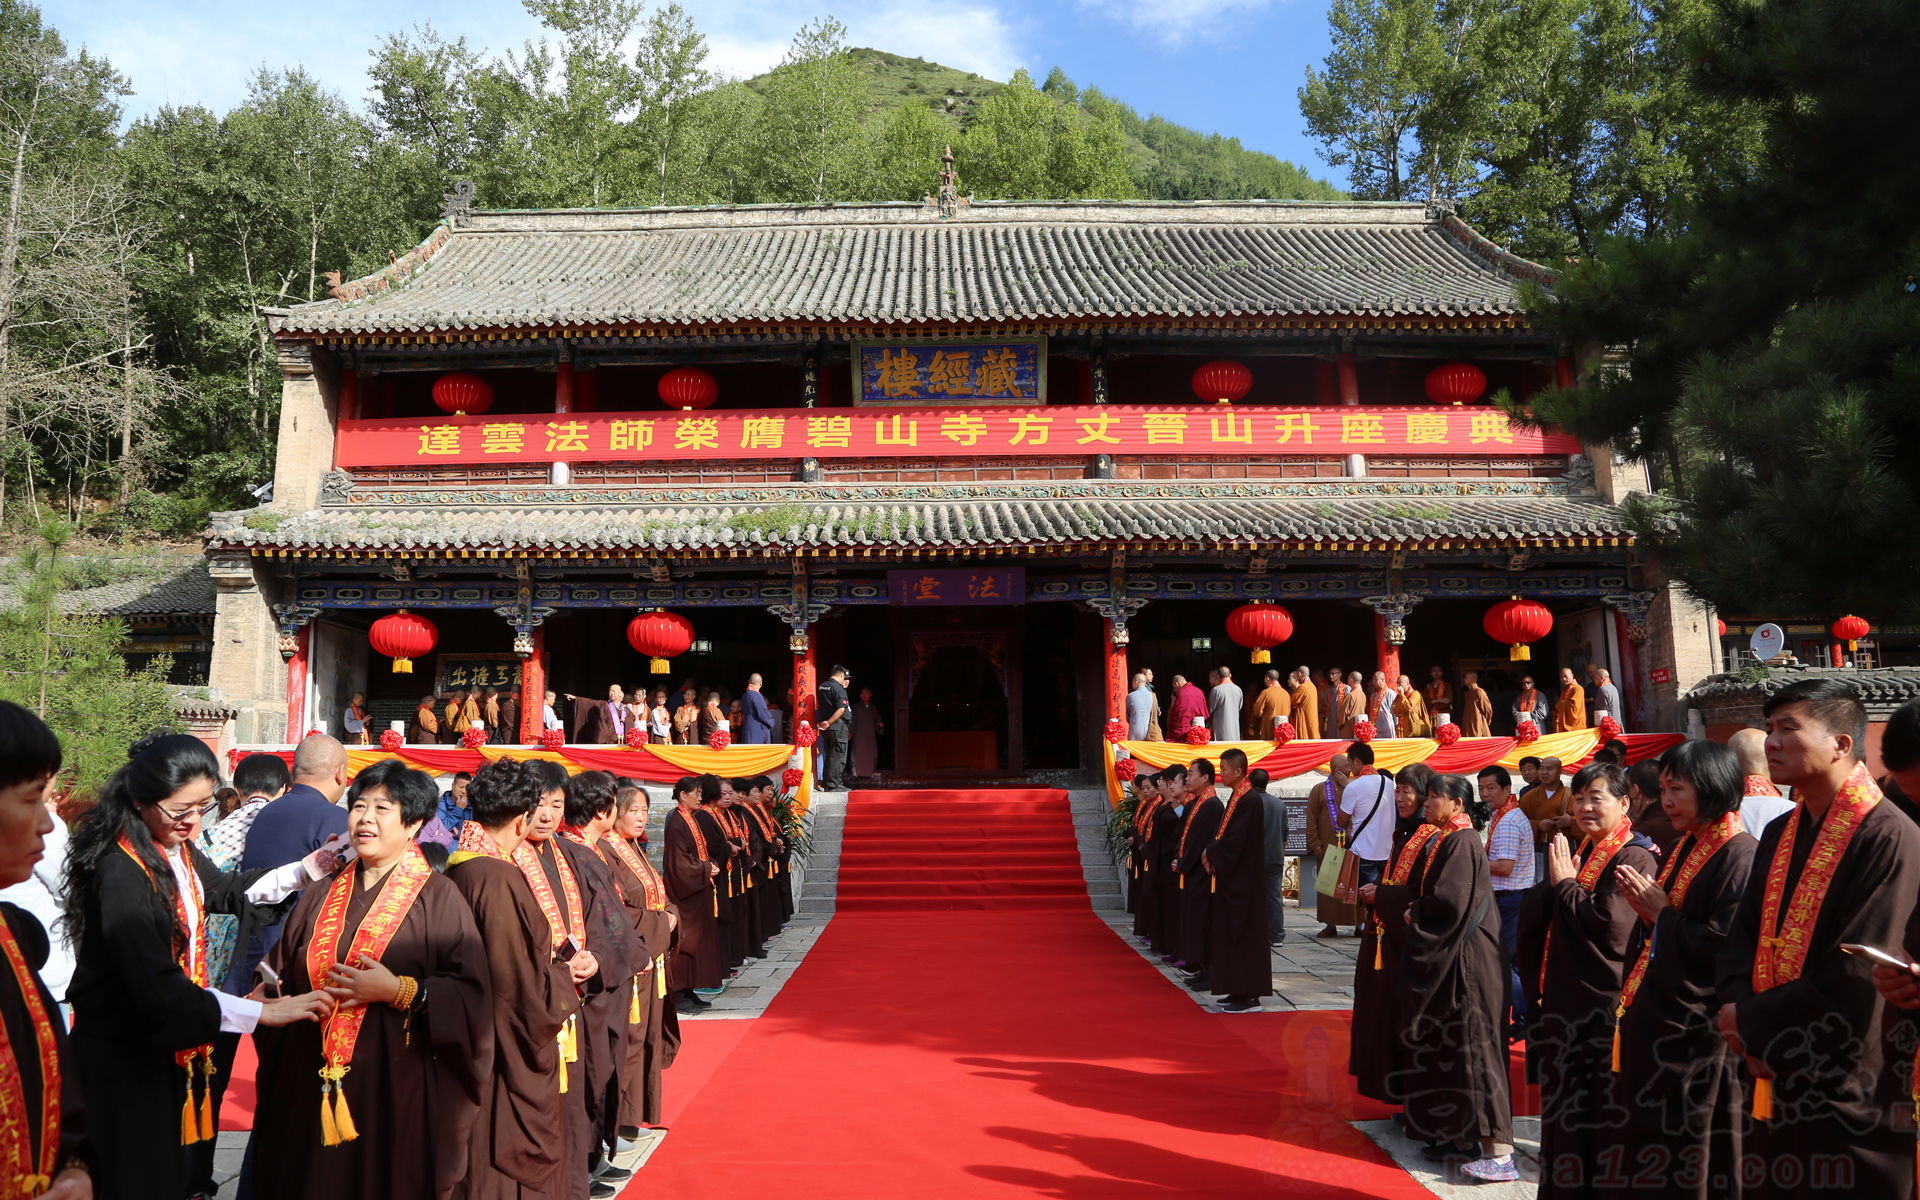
172 585
1887 686
947 524
899 263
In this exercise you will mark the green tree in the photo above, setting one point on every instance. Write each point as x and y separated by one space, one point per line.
812 130
1364 106
566 108
67 667
1768 340
669 62
907 154
1024 143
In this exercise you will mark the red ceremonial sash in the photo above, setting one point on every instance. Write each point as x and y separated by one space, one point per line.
29 1175
638 864
699 847
1758 785
1454 825
475 840
1590 868
1705 846
1783 952
1186 827
578 837
1401 870
1528 699
574 919
341 1029
1233 799
194 966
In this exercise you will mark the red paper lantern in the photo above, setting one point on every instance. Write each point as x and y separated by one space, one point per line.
403 637
636 738
1456 383
391 741
1608 729
1283 733
1517 622
1222 381
790 779
1526 731
1850 630
688 388
473 738
1198 736
552 739
720 740
1116 730
1720 626
1363 731
660 635
806 735
461 393
1125 770
1259 626
1447 734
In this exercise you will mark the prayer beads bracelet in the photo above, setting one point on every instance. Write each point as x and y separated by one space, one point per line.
409 988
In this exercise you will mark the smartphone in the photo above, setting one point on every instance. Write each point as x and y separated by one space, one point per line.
1879 956
568 950
269 979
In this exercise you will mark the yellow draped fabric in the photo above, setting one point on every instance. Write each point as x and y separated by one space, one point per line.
694 760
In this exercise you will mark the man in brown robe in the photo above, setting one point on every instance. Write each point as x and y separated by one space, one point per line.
1240 963
1199 823
600 722
1570 710
519 1138
1306 706
1475 713
1163 838
694 852
1835 1059
1143 889
426 723
1331 693
1325 826
1270 705
1353 705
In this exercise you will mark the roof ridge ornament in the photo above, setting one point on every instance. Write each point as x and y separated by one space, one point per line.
456 208
948 201
1439 207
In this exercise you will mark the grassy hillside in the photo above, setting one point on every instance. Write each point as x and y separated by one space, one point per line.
1168 161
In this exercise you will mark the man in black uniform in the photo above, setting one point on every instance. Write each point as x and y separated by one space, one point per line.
835 734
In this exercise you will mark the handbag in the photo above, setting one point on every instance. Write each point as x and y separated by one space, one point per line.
1346 887
1332 864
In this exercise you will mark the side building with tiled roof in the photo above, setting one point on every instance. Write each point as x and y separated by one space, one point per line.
994 458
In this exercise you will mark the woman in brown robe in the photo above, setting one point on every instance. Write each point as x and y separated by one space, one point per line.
1143 893
1677 1080
1377 1050
1199 822
653 1031
693 855
1575 930
1323 830
1453 999
1240 966
1163 835
422 994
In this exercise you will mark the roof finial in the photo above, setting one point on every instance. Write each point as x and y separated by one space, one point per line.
457 207
948 202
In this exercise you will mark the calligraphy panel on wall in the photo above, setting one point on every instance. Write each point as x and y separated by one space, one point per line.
956 372
460 671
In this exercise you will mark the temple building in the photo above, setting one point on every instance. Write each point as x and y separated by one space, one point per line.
991 457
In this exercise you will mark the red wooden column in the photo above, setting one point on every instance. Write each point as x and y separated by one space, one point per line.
559 474
349 406
806 689
1563 377
297 686
1389 654
533 688
1349 378
1116 657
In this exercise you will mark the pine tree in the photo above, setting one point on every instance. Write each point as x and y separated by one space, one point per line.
1768 351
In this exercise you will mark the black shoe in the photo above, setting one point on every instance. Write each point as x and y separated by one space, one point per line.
1235 1005
600 1191
1200 982
611 1173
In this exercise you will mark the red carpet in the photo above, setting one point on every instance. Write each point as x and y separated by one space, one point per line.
944 850
931 1054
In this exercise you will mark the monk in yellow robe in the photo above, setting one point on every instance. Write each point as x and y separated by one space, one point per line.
1475 717
1570 710
1306 705
1410 713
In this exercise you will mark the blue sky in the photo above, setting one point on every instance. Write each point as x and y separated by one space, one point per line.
1227 66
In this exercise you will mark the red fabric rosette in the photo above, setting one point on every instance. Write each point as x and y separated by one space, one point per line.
636 738
806 735
1526 731
1363 731
473 739
790 778
1116 730
391 741
1198 736
1283 733
720 740
1609 729
1125 769
1447 734
553 739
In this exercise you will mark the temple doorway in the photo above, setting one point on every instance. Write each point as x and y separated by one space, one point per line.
958 703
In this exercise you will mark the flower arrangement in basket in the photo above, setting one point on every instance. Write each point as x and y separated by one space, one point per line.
806 735
552 739
1447 734
1116 730
391 741
719 741
474 738
1609 729
1526 731
636 738
1125 769
1283 732
1198 736
1363 731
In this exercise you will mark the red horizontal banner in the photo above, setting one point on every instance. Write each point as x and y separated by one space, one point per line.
1044 430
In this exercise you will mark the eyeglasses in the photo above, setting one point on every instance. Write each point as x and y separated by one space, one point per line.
179 818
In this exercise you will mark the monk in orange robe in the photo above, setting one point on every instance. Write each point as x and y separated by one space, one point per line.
1570 710
1475 716
1306 705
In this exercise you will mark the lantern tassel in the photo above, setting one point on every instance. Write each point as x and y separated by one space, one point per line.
1262 656
1763 1099
658 666
403 666
1520 653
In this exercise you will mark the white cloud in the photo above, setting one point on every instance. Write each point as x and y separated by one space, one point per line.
1175 23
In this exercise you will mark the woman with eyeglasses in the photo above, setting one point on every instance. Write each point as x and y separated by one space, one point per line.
138 892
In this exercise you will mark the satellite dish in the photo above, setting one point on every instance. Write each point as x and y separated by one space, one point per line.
1768 641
